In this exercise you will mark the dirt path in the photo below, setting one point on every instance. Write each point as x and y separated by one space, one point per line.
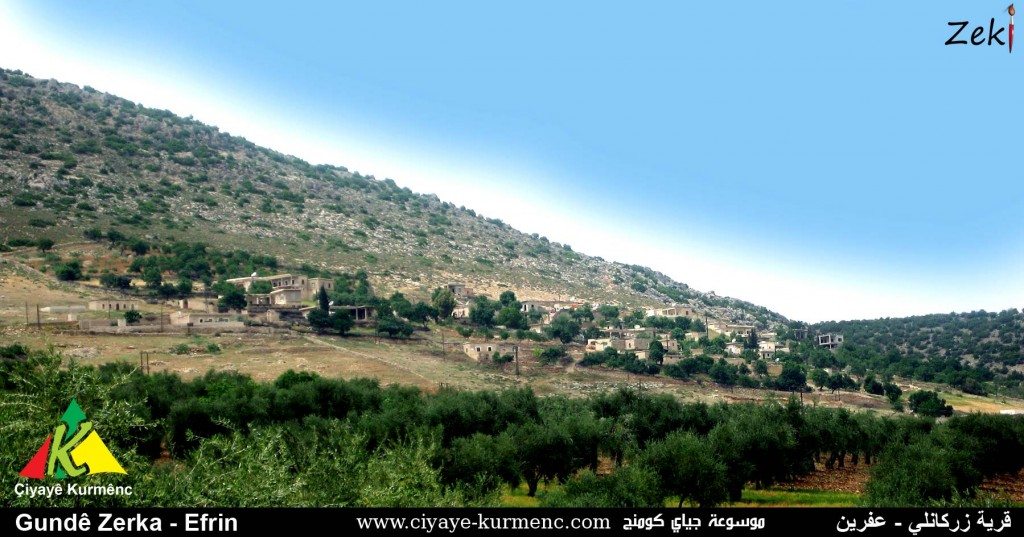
321 341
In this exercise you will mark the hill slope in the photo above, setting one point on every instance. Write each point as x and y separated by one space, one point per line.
987 341
73 158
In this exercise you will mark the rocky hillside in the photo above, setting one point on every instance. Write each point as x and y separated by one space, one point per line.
73 158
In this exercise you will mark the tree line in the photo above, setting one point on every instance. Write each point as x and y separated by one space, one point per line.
313 441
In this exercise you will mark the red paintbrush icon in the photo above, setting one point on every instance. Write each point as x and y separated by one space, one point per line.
1012 12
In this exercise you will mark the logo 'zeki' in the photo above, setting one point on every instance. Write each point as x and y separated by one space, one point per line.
74 449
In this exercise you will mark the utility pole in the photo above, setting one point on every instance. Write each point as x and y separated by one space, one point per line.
161 316
39 323
26 314
516 350
707 327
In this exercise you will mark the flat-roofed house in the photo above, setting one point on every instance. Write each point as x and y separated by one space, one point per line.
671 312
308 287
829 341
359 314
286 296
599 344
460 290
769 350
485 351
200 319
542 306
111 305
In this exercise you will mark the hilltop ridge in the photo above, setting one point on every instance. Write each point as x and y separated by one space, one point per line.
73 158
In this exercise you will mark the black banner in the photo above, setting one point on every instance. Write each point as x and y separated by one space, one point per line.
497 521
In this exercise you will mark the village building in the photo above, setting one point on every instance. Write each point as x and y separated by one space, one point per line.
731 329
461 312
286 296
734 348
111 305
209 320
829 341
485 351
460 290
638 344
198 303
288 315
670 345
741 330
260 300
76 308
630 333
599 344
307 287
671 312
542 306
359 314
768 350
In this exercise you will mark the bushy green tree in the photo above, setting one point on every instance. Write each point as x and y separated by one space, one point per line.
481 312
260 287
132 316
70 271
444 301
792 378
687 468
44 244
508 299
393 327
322 300
233 298
184 287
114 281
563 327
928 403
319 320
628 486
656 352
153 277
511 317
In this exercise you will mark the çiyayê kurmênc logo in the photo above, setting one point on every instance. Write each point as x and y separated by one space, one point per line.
74 449
978 35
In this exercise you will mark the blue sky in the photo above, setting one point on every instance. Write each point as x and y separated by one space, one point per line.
828 160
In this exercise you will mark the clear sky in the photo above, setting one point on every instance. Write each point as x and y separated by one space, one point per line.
830 160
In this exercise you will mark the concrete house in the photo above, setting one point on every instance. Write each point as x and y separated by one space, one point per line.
111 305
197 303
638 343
542 306
769 349
286 296
307 287
829 341
671 312
63 309
598 345
460 290
359 314
200 320
485 351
